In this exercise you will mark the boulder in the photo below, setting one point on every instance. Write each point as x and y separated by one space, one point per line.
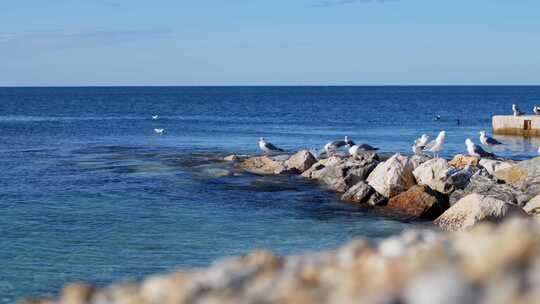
475 208
393 176
533 206
434 173
420 159
460 161
492 165
483 183
420 202
524 175
358 193
263 165
340 173
301 161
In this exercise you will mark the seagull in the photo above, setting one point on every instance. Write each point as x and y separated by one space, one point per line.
538 150
438 117
536 110
488 140
436 145
363 147
517 112
475 150
159 131
336 144
419 144
417 150
268 147
155 117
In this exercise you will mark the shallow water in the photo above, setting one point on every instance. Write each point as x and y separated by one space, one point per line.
90 192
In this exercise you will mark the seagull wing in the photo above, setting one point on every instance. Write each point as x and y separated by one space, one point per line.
493 141
483 153
272 147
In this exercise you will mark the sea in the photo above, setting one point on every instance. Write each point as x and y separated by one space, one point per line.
89 192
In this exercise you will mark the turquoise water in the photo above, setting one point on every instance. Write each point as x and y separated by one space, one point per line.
90 192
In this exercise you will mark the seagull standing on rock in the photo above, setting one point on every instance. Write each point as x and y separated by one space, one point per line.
267 147
516 110
488 140
419 144
436 145
336 144
536 110
363 147
475 150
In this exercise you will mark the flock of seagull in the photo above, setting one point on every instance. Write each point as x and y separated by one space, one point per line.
518 112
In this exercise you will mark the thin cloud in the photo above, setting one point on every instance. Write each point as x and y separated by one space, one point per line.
330 3
79 38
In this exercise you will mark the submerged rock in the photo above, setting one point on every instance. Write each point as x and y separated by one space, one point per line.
263 165
420 202
393 176
301 161
487 264
475 208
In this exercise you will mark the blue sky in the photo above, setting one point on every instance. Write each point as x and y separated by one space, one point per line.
269 42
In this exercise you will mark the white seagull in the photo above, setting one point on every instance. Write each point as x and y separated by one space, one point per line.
159 131
155 117
538 150
436 145
488 140
419 144
363 147
267 147
536 110
516 110
475 150
336 144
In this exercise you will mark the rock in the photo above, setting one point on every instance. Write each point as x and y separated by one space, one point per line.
460 161
340 173
492 165
524 175
533 206
420 159
377 199
482 183
393 176
358 193
434 173
232 158
78 293
475 208
263 165
301 161
420 202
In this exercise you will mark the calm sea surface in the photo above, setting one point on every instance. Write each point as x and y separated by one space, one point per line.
89 192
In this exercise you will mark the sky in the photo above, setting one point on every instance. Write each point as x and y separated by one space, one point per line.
269 42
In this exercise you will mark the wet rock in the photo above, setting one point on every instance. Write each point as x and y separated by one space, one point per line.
263 165
232 158
420 202
532 207
358 193
492 165
475 208
301 161
460 161
483 183
393 176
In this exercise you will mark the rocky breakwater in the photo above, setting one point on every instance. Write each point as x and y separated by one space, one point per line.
486 264
455 194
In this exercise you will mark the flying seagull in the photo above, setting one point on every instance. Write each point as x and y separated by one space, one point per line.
267 147
488 140
155 117
336 144
475 150
516 110
536 110
436 145
159 131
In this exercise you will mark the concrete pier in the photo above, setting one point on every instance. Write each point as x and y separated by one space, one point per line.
527 125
